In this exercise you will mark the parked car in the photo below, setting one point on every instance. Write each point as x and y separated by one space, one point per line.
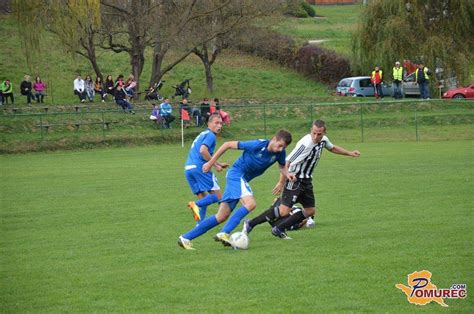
460 93
409 86
360 86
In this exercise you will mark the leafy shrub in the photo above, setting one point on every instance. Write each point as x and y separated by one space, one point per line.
321 64
295 8
308 8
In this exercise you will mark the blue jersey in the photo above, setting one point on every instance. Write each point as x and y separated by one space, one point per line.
255 159
207 138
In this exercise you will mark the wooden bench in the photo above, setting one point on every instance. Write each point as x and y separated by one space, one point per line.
77 125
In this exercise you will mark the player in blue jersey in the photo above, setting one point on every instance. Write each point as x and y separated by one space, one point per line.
204 184
258 155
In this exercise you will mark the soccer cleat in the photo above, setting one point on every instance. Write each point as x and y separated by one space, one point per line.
280 234
223 238
185 243
310 223
247 228
195 209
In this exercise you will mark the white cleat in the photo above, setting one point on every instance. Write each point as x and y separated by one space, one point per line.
185 243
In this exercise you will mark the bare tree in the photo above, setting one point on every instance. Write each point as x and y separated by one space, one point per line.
126 28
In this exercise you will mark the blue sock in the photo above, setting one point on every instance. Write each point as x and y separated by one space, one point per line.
203 227
235 219
204 202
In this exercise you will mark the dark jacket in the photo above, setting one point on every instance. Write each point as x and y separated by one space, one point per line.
24 86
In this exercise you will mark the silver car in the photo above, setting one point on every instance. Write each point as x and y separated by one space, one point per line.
360 86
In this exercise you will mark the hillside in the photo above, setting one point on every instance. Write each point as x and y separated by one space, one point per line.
235 75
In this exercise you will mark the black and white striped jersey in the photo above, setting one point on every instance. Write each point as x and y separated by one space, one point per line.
305 156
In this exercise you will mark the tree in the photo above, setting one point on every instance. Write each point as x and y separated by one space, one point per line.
435 32
75 23
226 23
127 28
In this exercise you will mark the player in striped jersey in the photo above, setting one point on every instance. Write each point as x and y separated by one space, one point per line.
300 162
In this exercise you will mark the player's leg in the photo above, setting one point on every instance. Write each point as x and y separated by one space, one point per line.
248 204
269 215
206 199
306 198
200 183
206 224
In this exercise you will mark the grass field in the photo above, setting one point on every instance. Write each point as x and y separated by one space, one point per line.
96 231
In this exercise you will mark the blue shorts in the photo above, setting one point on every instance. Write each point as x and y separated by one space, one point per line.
236 188
199 181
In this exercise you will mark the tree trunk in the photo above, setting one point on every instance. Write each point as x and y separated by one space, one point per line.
137 60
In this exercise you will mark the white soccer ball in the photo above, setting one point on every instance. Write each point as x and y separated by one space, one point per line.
239 241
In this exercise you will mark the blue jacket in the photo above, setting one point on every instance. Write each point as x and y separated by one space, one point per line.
165 109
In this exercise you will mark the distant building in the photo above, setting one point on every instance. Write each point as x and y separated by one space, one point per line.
331 1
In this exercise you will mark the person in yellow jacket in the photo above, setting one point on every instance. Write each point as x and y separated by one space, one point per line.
397 80
422 78
376 79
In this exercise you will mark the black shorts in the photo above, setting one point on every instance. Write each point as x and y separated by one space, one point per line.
300 191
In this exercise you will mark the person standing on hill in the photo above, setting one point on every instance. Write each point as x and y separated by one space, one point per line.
422 78
397 80
376 79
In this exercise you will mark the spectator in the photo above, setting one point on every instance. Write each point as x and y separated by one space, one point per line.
166 113
99 88
376 79
130 86
409 66
205 109
119 82
195 113
109 86
39 88
79 88
422 78
6 89
89 87
120 99
185 112
397 81
155 114
26 89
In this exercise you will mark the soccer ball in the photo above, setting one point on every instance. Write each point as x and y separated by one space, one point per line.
239 241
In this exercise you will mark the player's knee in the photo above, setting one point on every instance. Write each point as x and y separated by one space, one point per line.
310 211
284 210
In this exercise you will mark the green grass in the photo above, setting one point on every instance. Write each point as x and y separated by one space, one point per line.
356 121
235 75
335 23
96 231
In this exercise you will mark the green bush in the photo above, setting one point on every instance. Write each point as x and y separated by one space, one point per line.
294 8
308 8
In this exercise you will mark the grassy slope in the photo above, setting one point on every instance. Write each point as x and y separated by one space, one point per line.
235 75
334 24
96 231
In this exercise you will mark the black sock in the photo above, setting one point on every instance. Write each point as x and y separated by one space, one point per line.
269 215
296 218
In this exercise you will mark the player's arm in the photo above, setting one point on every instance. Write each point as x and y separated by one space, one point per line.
204 151
284 175
342 151
227 145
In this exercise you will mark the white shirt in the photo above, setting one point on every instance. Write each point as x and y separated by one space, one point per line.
79 85
305 156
